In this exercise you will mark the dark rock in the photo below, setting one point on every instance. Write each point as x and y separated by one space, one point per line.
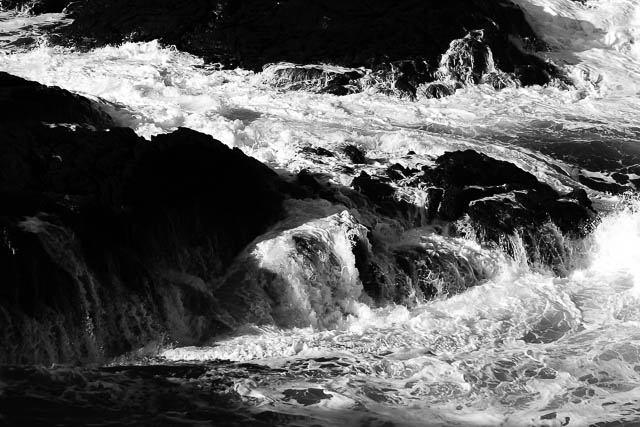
354 154
251 33
468 168
501 200
620 178
121 224
108 241
33 102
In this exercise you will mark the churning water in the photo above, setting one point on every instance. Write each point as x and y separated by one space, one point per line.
525 347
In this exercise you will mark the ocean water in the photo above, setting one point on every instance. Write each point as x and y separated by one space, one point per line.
525 347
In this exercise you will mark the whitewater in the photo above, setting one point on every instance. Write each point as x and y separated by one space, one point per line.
526 347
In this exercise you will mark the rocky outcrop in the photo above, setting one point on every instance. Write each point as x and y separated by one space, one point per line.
110 241
407 39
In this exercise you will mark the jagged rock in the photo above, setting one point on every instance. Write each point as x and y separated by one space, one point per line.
251 33
33 102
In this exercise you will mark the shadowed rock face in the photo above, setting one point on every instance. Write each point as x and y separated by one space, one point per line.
251 33
109 240
33 102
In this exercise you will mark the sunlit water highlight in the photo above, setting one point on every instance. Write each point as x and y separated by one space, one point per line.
524 348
